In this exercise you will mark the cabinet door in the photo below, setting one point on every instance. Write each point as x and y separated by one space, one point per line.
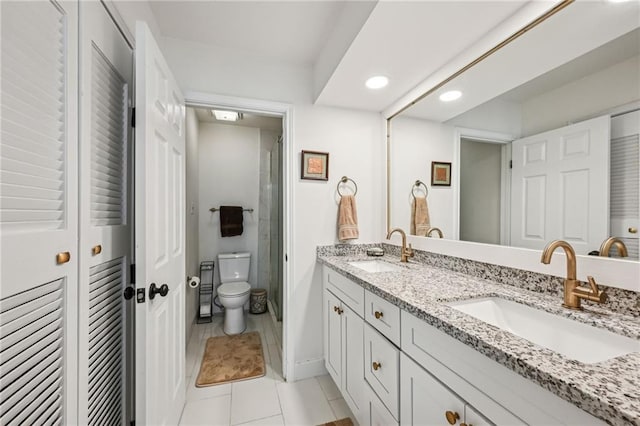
332 336
425 401
353 350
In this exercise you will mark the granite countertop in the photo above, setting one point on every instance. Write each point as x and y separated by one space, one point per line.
609 390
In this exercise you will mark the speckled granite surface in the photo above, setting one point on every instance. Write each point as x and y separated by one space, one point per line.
609 390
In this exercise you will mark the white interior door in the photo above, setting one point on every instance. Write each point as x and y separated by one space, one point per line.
160 238
560 187
625 179
38 213
106 79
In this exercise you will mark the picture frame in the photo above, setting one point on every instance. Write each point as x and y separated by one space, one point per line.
314 165
440 173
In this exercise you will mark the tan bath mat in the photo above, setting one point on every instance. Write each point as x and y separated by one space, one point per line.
231 358
342 422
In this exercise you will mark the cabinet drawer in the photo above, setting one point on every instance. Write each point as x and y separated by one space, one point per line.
383 315
346 290
377 414
381 368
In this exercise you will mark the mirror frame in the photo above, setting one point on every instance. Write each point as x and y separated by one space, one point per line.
619 273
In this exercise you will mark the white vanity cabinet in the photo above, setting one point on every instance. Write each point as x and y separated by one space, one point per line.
426 401
344 340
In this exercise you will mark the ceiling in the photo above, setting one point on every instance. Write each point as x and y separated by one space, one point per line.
405 40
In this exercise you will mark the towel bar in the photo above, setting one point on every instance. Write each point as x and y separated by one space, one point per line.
418 184
345 179
215 209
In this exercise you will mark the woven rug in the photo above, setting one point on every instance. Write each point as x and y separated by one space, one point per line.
342 422
231 358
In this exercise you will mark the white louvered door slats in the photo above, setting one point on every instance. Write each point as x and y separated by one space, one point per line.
33 86
106 73
31 356
625 180
109 94
38 212
106 334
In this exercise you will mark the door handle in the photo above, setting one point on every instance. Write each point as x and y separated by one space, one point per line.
96 250
452 417
376 365
378 314
163 290
129 292
63 257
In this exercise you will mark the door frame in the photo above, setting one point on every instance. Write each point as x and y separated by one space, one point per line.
211 100
503 139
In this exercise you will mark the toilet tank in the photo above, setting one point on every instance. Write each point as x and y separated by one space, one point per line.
234 267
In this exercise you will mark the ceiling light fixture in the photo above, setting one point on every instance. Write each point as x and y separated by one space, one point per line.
225 115
377 82
451 95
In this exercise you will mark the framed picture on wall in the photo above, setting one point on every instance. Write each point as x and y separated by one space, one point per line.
440 173
315 165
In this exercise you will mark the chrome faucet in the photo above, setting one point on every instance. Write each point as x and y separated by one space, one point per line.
573 291
405 253
605 248
436 230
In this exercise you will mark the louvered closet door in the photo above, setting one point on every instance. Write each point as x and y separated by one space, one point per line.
625 180
106 68
38 213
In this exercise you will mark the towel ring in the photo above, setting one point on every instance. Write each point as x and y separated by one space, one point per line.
418 184
345 179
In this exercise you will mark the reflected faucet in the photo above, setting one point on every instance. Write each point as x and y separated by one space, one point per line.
434 229
605 248
405 253
573 291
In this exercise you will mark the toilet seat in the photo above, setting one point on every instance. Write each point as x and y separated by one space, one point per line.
236 289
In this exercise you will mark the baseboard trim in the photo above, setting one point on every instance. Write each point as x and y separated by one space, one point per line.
308 368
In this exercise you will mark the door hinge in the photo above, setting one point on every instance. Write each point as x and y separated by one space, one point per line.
133 117
511 164
132 273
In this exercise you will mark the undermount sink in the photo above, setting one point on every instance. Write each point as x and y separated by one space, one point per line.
374 266
572 339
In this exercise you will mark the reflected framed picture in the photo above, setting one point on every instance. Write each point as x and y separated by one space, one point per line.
315 165
440 173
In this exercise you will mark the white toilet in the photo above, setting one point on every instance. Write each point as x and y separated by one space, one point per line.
234 289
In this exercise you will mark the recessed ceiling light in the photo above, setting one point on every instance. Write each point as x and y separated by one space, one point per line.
377 82
451 95
225 115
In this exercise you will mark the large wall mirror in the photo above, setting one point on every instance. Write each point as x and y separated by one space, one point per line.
542 140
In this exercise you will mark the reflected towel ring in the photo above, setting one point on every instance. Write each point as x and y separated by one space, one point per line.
418 184
345 179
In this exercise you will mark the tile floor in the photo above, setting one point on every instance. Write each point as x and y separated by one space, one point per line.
266 401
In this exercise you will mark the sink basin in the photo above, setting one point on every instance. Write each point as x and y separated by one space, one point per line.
572 339
374 266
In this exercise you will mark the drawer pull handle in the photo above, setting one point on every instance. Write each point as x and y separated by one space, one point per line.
633 230
376 365
63 257
96 250
452 417
377 314
336 309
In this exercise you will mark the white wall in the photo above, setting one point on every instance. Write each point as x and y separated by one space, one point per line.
229 176
356 145
583 98
497 116
192 232
415 144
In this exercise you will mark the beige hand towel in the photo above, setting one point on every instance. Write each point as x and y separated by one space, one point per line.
420 221
347 218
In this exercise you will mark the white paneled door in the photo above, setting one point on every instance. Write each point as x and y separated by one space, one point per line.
160 239
560 187
38 213
106 80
